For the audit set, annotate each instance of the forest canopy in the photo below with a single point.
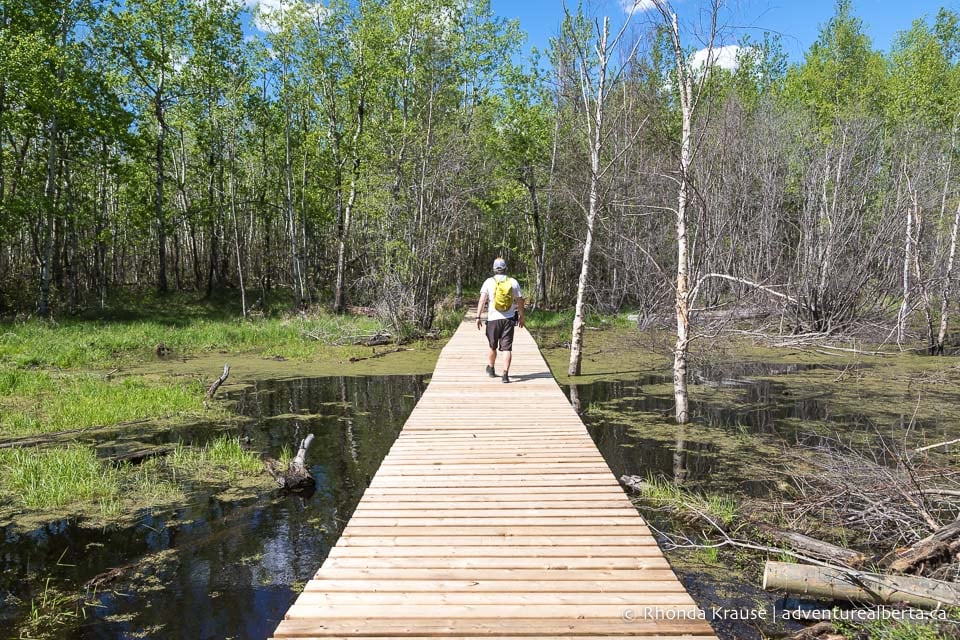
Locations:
(382, 152)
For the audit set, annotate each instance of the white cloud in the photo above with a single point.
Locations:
(724, 57)
(634, 6)
(180, 62)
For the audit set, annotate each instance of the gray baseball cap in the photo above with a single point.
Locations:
(499, 265)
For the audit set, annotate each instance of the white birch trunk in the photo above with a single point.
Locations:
(907, 255)
(681, 348)
(947, 282)
(596, 140)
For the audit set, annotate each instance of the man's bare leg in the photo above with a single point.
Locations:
(492, 358)
(507, 357)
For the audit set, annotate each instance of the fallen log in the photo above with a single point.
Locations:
(939, 546)
(136, 455)
(378, 354)
(914, 559)
(69, 434)
(815, 548)
(296, 477)
(838, 584)
(377, 340)
(945, 533)
(219, 381)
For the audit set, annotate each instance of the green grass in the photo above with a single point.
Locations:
(50, 611)
(148, 482)
(720, 508)
(71, 479)
(58, 477)
(36, 402)
(286, 456)
(225, 454)
(542, 320)
(77, 344)
(131, 328)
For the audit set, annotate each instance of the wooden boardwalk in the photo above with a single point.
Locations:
(494, 516)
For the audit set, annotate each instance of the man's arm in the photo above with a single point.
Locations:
(480, 305)
(520, 312)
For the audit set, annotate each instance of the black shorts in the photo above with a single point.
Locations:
(500, 332)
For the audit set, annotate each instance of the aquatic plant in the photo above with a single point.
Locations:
(37, 402)
(225, 454)
(56, 477)
(663, 494)
(50, 612)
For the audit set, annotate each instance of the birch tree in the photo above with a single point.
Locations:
(592, 62)
(689, 88)
(149, 39)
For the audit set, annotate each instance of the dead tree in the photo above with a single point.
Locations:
(296, 477)
(596, 77)
(219, 381)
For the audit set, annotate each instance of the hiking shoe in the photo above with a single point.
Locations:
(491, 372)
(506, 378)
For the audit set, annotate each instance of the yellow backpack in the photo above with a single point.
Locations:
(503, 294)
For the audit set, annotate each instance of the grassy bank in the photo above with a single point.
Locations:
(71, 480)
(120, 365)
(112, 340)
(142, 365)
(36, 402)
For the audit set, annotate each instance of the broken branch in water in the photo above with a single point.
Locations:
(296, 477)
(945, 443)
(219, 381)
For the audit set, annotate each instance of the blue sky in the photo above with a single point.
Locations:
(797, 22)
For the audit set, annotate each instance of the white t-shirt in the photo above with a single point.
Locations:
(490, 287)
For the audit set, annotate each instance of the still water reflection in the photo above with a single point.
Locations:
(217, 567)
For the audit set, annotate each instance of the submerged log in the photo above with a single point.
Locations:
(219, 381)
(837, 584)
(106, 577)
(137, 454)
(378, 354)
(296, 477)
(816, 548)
(636, 483)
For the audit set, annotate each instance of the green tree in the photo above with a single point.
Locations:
(841, 73)
(149, 40)
(923, 83)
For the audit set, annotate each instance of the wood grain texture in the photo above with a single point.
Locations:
(494, 516)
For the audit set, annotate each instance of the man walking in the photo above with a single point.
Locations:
(505, 310)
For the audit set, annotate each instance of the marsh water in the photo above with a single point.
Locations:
(743, 415)
(221, 566)
(227, 565)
